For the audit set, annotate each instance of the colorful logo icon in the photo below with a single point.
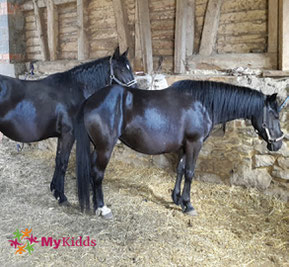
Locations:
(23, 241)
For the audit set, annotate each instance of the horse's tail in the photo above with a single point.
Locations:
(82, 160)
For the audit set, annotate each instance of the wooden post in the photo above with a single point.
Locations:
(210, 28)
(52, 29)
(122, 28)
(43, 45)
(284, 35)
(273, 26)
(138, 63)
(190, 35)
(180, 36)
(145, 34)
(83, 48)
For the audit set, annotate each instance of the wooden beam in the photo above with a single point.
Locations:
(272, 26)
(229, 61)
(43, 45)
(42, 3)
(275, 73)
(190, 34)
(145, 34)
(52, 29)
(180, 36)
(283, 35)
(124, 38)
(210, 28)
(138, 63)
(82, 40)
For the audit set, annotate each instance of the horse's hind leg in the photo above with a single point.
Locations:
(99, 161)
(192, 152)
(64, 147)
(176, 194)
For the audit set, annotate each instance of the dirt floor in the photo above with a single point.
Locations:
(235, 226)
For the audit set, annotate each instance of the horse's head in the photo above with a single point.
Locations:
(120, 69)
(267, 124)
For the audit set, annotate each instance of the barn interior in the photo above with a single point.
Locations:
(241, 189)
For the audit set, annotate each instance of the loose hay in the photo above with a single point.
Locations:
(235, 226)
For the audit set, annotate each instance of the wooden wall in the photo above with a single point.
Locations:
(242, 28)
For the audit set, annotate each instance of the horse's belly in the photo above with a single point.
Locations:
(150, 143)
(24, 130)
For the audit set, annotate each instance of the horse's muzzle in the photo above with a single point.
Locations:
(274, 146)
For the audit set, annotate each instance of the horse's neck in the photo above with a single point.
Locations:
(93, 78)
(232, 109)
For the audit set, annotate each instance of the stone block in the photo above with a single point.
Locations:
(283, 162)
(263, 161)
(259, 178)
(280, 173)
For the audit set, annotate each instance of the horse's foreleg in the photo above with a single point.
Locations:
(64, 147)
(176, 194)
(192, 152)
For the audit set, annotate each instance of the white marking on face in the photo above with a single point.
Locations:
(127, 66)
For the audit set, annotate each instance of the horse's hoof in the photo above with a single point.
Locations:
(192, 212)
(176, 198)
(64, 203)
(104, 212)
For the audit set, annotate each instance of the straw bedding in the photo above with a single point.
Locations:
(235, 226)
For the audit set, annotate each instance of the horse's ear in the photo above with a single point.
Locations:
(125, 53)
(116, 53)
(271, 98)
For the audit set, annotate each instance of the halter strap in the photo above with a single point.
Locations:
(113, 78)
(264, 126)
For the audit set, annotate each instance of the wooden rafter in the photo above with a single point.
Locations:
(43, 45)
(52, 29)
(190, 34)
(124, 38)
(180, 36)
(83, 46)
(272, 26)
(42, 3)
(210, 28)
(283, 35)
(144, 35)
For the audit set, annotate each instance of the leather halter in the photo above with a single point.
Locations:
(264, 126)
(113, 78)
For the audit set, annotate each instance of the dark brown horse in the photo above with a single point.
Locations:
(35, 110)
(177, 119)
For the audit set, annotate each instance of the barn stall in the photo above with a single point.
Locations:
(241, 192)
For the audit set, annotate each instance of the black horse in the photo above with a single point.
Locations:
(35, 110)
(179, 118)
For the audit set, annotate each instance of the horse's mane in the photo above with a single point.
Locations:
(94, 73)
(224, 101)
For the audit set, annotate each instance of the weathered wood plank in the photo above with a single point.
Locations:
(52, 29)
(180, 36)
(190, 32)
(275, 73)
(145, 34)
(283, 35)
(123, 33)
(210, 29)
(138, 63)
(40, 34)
(229, 61)
(83, 46)
(42, 3)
